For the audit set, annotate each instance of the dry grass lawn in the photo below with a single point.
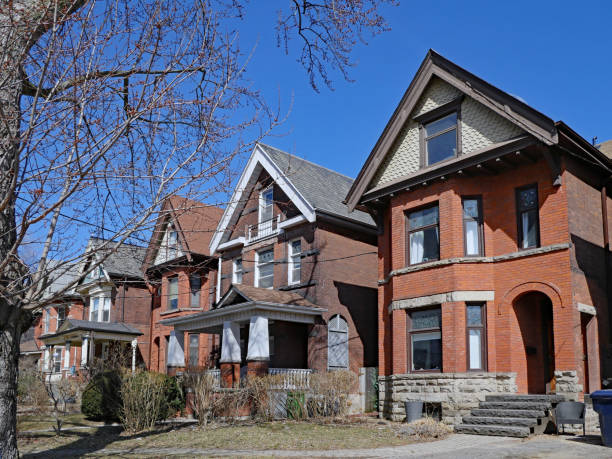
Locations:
(288, 435)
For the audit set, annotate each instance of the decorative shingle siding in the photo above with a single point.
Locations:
(480, 128)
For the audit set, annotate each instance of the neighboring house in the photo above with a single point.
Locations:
(178, 269)
(494, 271)
(30, 352)
(110, 305)
(296, 287)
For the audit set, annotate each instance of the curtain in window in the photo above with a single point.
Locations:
(106, 310)
(471, 238)
(337, 343)
(475, 342)
(416, 247)
(528, 222)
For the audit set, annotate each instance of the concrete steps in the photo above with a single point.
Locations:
(510, 415)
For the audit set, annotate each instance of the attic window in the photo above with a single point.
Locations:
(440, 132)
(441, 139)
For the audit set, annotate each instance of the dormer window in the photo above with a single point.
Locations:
(440, 132)
(441, 139)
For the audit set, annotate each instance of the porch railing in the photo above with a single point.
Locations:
(216, 375)
(292, 378)
(262, 229)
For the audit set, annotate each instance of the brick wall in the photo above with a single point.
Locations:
(548, 273)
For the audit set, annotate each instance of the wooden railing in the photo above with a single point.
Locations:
(292, 378)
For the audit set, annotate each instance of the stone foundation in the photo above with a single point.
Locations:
(566, 383)
(457, 393)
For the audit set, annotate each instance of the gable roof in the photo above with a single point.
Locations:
(310, 187)
(509, 107)
(122, 261)
(239, 293)
(195, 222)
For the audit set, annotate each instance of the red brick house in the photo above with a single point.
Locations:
(178, 270)
(110, 305)
(296, 283)
(493, 247)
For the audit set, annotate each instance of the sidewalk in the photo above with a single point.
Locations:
(456, 446)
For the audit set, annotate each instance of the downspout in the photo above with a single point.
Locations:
(123, 301)
(606, 238)
(218, 293)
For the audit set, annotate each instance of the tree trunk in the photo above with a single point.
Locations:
(13, 318)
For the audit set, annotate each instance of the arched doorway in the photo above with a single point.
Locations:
(535, 319)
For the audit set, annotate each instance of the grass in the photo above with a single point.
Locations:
(288, 435)
(47, 421)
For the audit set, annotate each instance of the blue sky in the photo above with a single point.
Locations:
(557, 56)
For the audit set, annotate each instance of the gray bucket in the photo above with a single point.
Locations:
(414, 410)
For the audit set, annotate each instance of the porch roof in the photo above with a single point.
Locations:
(241, 303)
(73, 330)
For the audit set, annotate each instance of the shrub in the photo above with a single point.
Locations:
(31, 390)
(204, 389)
(330, 393)
(144, 400)
(426, 428)
(101, 399)
(174, 400)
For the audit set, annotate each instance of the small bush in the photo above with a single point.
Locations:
(31, 390)
(204, 389)
(174, 400)
(101, 399)
(330, 393)
(144, 400)
(426, 428)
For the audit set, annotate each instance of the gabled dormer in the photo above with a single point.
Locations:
(170, 246)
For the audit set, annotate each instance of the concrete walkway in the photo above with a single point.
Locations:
(455, 446)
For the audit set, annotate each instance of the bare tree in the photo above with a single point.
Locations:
(108, 108)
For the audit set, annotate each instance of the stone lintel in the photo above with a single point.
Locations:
(439, 298)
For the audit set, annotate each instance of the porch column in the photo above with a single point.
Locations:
(134, 345)
(67, 355)
(230, 354)
(258, 354)
(45, 362)
(84, 351)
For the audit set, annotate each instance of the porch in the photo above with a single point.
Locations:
(262, 332)
(77, 342)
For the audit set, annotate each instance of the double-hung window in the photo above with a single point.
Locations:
(266, 211)
(528, 217)
(425, 340)
(195, 285)
(264, 269)
(57, 359)
(47, 319)
(172, 292)
(476, 336)
(295, 261)
(423, 235)
(472, 226)
(440, 139)
(237, 271)
(99, 309)
(61, 315)
(194, 349)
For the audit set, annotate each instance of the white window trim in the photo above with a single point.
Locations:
(262, 201)
(235, 270)
(290, 264)
(102, 296)
(47, 321)
(257, 266)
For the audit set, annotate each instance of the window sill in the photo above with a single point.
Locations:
(297, 285)
(174, 311)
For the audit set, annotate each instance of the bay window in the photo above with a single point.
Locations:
(425, 340)
(99, 309)
(476, 336)
(528, 217)
(264, 268)
(472, 226)
(423, 235)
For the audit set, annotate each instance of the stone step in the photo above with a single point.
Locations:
(502, 413)
(502, 431)
(526, 405)
(524, 398)
(492, 421)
